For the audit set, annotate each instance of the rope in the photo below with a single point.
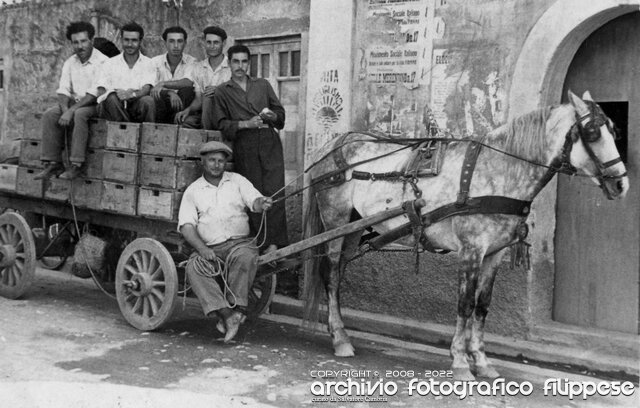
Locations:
(75, 222)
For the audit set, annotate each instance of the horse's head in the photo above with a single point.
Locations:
(594, 150)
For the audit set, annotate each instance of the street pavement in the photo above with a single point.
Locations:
(65, 344)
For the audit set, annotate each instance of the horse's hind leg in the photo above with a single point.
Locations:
(467, 281)
(475, 339)
(339, 252)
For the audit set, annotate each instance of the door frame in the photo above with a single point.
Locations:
(537, 81)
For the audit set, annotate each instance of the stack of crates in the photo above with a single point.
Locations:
(131, 168)
(29, 160)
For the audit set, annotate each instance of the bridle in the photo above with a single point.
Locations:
(587, 129)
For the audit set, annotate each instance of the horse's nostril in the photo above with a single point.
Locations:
(620, 185)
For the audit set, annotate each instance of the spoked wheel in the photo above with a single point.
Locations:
(146, 284)
(17, 256)
(261, 294)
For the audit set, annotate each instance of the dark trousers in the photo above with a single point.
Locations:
(257, 155)
(166, 114)
(53, 134)
(140, 110)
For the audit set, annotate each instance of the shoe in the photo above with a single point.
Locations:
(220, 326)
(72, 172)
(51, 169)
(233, 324)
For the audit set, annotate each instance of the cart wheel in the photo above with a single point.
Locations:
(146, 284)
(17, 256)
(261, 294)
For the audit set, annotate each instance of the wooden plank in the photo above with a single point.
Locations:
(25, 183)
(158, 203)
(333, 234)
(123, 136)
(120, 166)
(30, 152)
(120, 198)
(8, 176)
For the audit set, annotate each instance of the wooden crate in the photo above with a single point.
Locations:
(97, 133)
(120, 166)
(30, 152)
(158, 139)
(87, 193)
(94, 161)
(187, 171)
(32, 126)
(216, 135)
(159, 203)
(8, 176)
(189, 142)
(118, 197)
(123, 136)
(159, 171)
(57, 189)
(26, 185)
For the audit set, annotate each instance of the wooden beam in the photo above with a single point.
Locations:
(335, 233)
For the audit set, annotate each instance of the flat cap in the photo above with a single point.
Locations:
(213, 146)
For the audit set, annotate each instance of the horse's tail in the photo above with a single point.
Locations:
(313, 282)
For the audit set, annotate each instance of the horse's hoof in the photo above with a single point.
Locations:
(462, 374)
(486, 372)
(344, 350)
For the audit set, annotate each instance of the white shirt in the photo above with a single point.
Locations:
(77, 78)
(202, 75)
(218, 213)
(163, 70)
(116, 74)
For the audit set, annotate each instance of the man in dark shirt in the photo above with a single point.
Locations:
(247, 111)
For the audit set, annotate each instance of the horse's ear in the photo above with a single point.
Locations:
(578, 104)
(586, 96)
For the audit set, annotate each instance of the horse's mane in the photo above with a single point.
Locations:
(526, 135)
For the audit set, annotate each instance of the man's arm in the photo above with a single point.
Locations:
(67, 115)
(195, 106)
(276, 107)
(190, 234)
(225, 124)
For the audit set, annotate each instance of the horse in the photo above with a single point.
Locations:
(513, 163)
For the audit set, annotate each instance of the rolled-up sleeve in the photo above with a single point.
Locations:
(64, 87)
(188, 213)
(248, 192)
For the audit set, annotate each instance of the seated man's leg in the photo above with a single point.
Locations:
(112, 109)
(52, 144)
(206, 289)
(207, 113)
(52, 135)
(80, 134)
(144, 109)
(242, 264)
(164, 113)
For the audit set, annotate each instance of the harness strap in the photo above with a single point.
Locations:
(474, 205)
(466, 173)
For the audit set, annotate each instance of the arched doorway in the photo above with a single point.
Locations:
(597, 241)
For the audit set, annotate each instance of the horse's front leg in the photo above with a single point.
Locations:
(475, 344)
(338, 257)
(467, 281)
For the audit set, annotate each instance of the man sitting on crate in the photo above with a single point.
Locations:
(173, 92)
(125, 81)
(75, 106)
(214, 221)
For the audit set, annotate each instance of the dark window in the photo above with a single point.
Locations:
(618, 112)
(265, 60)
(253, 69)
(295, 63)
(1, 79)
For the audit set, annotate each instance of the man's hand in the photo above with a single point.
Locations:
(268, 114)
(263, 203)
(207, 253)
(253, 123)
(174, 100)
(155, 92)
(66, 118)
(125, 94)
(182, 116)
(209, 91)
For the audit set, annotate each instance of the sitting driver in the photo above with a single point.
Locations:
(214, 221)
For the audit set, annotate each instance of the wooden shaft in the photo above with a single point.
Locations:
(336, 233)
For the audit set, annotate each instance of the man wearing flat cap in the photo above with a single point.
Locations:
(214, 221)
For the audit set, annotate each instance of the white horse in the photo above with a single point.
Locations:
(514, 161)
